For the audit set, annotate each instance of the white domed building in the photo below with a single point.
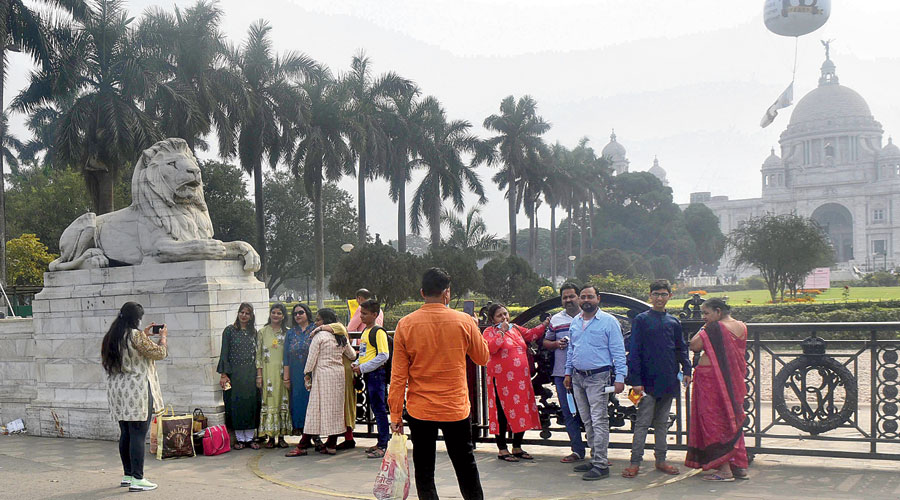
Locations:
(616, 154)
(834, 169)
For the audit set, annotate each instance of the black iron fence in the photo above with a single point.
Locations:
(815, 389)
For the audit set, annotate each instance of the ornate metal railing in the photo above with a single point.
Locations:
(816, 389)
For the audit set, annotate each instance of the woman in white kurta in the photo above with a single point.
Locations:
(132, 387)
(324, 375)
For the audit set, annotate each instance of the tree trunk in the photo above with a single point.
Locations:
(434, 223)
(531, 256)
(401, 218)
(591, 226)
(319, 251)
(2, 177)
(553, 255)
(260, 217)
(511, 195)
(102, 190)
(361, 200)
(583, 230)
(534, 245)
(569, 241)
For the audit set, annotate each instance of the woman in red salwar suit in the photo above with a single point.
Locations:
(716, 434)
(511, 401)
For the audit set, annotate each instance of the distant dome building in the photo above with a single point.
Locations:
(834, 169)
(659, 172)
(616, 154)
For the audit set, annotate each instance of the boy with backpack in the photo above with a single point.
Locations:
(374, 365)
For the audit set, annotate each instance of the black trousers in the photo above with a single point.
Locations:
(503, 425)
(458, 438)
(132, 435)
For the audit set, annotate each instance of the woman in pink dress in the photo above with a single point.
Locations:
(511, 403)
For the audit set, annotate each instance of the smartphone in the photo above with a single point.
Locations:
(469, 307)
(157, 328)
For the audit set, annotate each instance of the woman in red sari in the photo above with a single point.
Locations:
(716, 437)
(511, 402)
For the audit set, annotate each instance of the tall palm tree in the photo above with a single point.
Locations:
(196, 89)
(98, 65)
(8, 144)
(21, 29)
(370, 103)
(406, 135)
(446, 174)
(470, 233)
(554, 191)
(322, 152)
(517, 143)
(270, 109)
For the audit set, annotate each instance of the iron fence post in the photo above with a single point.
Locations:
(873, 399)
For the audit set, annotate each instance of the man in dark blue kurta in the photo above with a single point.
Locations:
(657, 350)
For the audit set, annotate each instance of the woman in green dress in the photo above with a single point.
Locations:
(237, 364)
(275, 414)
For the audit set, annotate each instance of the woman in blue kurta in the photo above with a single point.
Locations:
(296, 351)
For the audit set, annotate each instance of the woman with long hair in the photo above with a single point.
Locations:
(237, 364)
(296, 351)
(511, 401)
(716, 435)
(274, 415)
(129, 356)
(324, 376)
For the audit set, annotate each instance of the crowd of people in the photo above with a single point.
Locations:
(300, 379)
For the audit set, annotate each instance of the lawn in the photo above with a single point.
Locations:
(759, 297)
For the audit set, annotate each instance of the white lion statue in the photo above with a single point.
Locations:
(167, 221)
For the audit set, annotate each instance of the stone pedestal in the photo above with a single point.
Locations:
(196, 300)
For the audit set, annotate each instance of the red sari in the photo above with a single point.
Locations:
(716, 434)
(509, 372)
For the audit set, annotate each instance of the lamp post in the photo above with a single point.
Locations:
(347, 247)
(571, 265)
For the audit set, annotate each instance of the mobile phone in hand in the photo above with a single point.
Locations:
(156, 328)
(469, 307)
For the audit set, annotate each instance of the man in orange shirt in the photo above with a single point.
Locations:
(430, 349)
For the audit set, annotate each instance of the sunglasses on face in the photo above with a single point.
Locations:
(299, 312)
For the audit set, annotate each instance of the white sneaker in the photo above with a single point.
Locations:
(141, 485)
(126, 481)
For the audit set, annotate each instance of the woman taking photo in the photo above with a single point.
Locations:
(274, 415)
(324, 376)
(237, 364)
(129, 359)
(296, 351)
(511, 403)
(716, 436)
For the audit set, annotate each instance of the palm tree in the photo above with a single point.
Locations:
(446, 174)
(406, 135)
(269, 110)
(22, 30)
(470, 233)
(369, 104)
(8, 143)
(322, 152)
(517, 143)
(196, 87)
(554, 191)
(97, 64)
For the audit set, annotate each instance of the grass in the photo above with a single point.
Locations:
(857, 294)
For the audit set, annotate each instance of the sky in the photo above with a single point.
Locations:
(686, 82)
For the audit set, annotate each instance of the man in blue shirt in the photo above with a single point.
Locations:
(557, 340)
(596, 347)
(657, 350)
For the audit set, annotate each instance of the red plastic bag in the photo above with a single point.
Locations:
(392, 481)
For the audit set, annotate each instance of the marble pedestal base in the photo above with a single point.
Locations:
(196, 300)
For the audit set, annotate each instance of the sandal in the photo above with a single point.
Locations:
(524, 455)
(270, 443)
(328, 451)
(507, 458)
(282, 443)
(239, 446)
(296, 452)
(739, 473)
(668, 469)
(571, 458)
(346, 445)
(631, 472)
(716, 477)
(254, 445)
(376, 453)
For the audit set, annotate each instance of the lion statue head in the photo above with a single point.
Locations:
(167, 189)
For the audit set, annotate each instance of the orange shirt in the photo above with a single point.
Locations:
(430, 348)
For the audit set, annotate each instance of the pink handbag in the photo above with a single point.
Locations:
(216, 440)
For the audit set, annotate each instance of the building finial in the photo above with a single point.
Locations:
(829, 73)
(612, 136)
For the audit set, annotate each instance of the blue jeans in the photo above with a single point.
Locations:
(377, 393)
(573, 426)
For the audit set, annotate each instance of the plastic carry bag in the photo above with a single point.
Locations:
(392, 481)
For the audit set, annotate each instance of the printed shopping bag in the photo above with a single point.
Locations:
(154, 427)
(216, 440)
(392, 481)
(174, 436)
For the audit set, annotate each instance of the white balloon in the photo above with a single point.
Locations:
(795, 17)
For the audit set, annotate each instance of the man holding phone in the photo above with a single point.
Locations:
(557, 340)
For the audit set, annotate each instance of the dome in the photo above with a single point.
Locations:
(773, 161)
(614, 150)
(890, 149)
(828, 102)
(657, 170)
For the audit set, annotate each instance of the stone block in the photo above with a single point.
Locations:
(123, 274)
(155, 286)
(64, 278)
(89, 373)
(61, 373)
(168, 299)
(230, 296)
(141, 299)
(202, 298)
(40, 306)
(65, 305)
(98, 303)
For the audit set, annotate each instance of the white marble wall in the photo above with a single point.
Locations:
(195, 299)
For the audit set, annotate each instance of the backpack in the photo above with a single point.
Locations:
(373, 337)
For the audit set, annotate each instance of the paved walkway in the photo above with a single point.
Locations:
(33, 467)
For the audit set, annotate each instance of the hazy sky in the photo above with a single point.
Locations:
(685, 81)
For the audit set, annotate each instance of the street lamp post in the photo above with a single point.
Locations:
(571, 265)
(347, 247)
